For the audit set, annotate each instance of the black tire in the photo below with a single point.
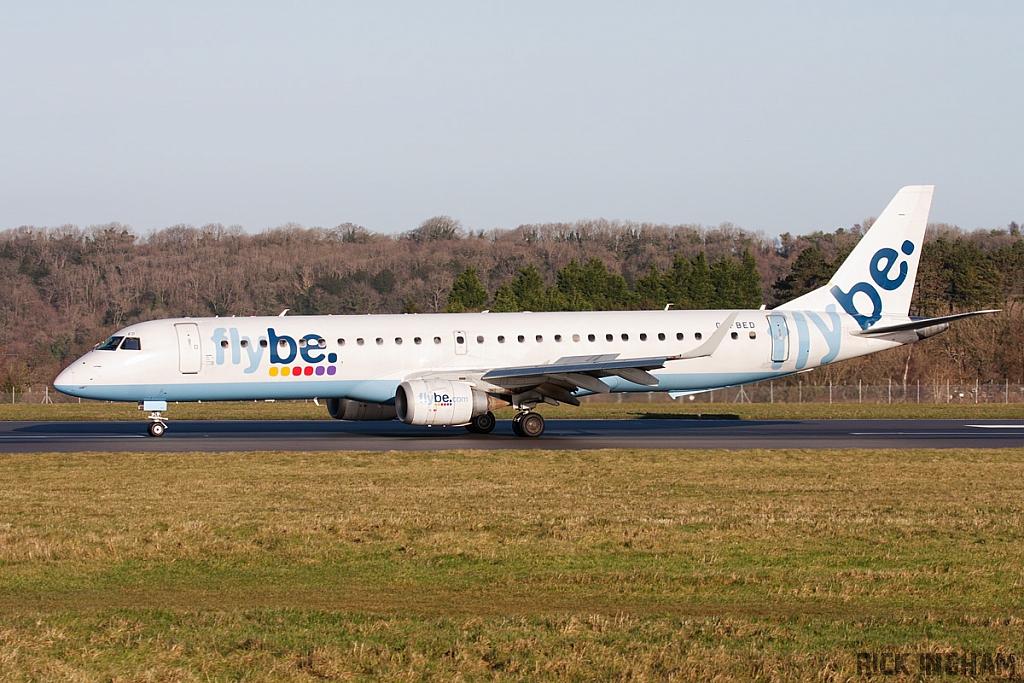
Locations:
(517, 423)
(156, 428)
(532, 425)
(482, 424)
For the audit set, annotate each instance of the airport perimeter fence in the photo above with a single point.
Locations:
(938, 391)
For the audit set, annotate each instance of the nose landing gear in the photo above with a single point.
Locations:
(157, 426)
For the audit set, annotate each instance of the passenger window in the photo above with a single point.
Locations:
(223, 343)
(521, 339)
(591, 337)
(341, 342)
(437, 340)
(558, 337)
(245, 343)
(360, 342)
(679, 336)
(735, 335)
(131, 344)
(753, 335)
(417, 340)
(460, 339)
(609, 337)
(661, 336)
(479, 339)
(398, 341)
(380, 341)
(501, 339)
(110, 345)
(625, 337)
(698, 336)
(322, 343)
(575, 337)
(264, 344)
(643, 336)
(540, 338)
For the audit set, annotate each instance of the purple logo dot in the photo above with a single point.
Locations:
(319, 370)
(331, 370)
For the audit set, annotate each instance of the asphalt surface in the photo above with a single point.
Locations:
(327, 435)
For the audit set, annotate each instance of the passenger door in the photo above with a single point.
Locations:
(780, 337)
(190, 356)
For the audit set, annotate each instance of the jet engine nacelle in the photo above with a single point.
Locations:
(347, 409)
(441, 402)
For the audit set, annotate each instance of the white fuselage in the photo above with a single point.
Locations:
(366, 357)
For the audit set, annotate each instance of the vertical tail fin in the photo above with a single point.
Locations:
(878, 276)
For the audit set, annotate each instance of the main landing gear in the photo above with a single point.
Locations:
(528, 424)
(157, 426)
(482, 424)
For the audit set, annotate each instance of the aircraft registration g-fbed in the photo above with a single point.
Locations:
(455, 369)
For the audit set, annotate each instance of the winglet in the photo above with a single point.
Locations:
(713, 342)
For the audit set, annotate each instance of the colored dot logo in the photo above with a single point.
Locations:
(301, 372)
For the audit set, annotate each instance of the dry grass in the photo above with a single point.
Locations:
(628, 565)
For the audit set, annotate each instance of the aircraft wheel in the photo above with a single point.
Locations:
(531, 425)
(482, 424)
(156, 428)
(517, 424)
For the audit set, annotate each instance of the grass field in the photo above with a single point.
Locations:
(610, 565)
(307, 410)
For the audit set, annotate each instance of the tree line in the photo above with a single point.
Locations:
(67, 288)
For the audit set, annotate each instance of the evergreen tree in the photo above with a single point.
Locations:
(701, 285)
(649, 290)
(467, 293)
(570, 284)
(810, 270)
(505, 300)
(724, 277)
(676, 283)
(532, 294)
(749, 282)
(606, 291)
(592, 288)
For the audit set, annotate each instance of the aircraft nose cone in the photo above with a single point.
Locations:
(65, 381)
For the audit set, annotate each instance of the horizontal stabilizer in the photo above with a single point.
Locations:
(920, 323)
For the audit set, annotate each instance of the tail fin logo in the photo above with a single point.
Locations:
(881, 266)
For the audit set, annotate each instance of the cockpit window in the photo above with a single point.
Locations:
(131, 344)
(110, 344)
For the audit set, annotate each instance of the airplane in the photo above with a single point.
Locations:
(456, 369)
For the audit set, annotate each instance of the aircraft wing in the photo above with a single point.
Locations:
(558, 380)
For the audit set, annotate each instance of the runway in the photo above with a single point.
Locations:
(327, 435)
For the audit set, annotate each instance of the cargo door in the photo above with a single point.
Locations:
(190, 357)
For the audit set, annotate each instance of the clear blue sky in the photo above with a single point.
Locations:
(775, 116)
